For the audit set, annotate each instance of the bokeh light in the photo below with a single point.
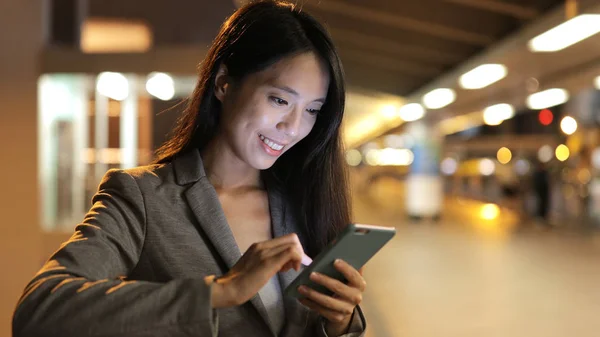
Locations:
(584, 176)
(113, 85)
(504, 155)
(546, 117)
(487, 167)
(372, 157)
(353, 157)
(449, 166)
(489, 211)
(545, 153)
(596, 157)
(522, 167)
(562, 152)
(161, 86)
(568, 125)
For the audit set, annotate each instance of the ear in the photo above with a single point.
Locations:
(221, 83)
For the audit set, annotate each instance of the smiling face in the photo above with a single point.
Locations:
(270, 111)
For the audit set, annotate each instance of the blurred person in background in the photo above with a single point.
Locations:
(251, 184)
(541, 188)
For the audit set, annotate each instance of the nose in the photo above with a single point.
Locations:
(290, 123)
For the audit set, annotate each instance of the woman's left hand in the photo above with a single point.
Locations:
(337, 309)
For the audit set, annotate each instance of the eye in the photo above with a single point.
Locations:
(313, 111)
(278, 101)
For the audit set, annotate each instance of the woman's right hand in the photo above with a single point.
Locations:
(255, 268)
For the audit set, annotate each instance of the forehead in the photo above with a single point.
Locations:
(305, 73)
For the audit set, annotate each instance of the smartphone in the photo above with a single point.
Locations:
(356, 245)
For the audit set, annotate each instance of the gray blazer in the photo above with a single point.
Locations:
(136, 264)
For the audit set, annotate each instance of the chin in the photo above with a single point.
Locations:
(265, 165)
(261, 164)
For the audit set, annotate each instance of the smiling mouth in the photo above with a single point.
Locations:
(271, 144)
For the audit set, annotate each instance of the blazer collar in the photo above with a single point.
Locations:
(206, 207)
(188, 168)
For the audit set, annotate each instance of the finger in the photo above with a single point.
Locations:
(330, 315)
(306, 260)
(286, 257)
(344, 292)
(353, 276)
(361, 271)
(270, 252)
(326, 301)
(281, 240)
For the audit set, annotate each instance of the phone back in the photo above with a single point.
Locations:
(356, 245)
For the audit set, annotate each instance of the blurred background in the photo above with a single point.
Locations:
(472, 126)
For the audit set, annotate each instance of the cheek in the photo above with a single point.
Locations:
(259, 115)
(307, 126)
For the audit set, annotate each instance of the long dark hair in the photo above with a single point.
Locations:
(312, 173)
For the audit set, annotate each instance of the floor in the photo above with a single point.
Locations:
(473, 274)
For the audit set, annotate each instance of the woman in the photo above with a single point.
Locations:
(254, 167)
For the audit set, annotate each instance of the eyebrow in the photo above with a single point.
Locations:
(294, 92)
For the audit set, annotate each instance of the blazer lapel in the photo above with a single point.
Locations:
(204, 202)
(283, 222)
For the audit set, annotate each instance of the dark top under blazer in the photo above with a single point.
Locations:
(135, 265)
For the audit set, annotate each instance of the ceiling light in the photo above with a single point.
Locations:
(113, 85)
(411, 112)
(496, 114)
(439, 98)
(597, 82)
(547, 98)
(566, 34)
(99, 35)
(482, 76)
(389, 111)
(161, 86)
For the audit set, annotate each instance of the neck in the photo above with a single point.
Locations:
(225, 170)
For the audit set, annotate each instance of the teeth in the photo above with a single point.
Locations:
(271, 144)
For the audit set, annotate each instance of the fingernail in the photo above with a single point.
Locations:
(302, 289)
(338, 261)
(314, 274)
(306, 260)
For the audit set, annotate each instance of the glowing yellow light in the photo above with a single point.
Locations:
(562, 152)
(575, 142)
(504, 155)
(489, 211)
(353, 157)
